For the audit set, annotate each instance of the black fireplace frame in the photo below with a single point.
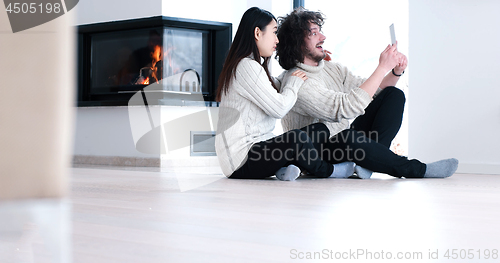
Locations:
(219, 41)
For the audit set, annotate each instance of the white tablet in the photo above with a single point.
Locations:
(393, 34)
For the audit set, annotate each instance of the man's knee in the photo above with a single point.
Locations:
(395, 94)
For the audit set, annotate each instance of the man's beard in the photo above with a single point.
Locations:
(313, 56)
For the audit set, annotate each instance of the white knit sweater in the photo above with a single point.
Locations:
(248, 112)
(331, 95)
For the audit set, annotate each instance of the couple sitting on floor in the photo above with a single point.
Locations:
(315, 100)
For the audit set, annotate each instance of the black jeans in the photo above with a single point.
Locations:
(297, 147)
(368, 140)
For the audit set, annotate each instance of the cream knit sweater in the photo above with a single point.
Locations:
(248, 112)
(331, 95)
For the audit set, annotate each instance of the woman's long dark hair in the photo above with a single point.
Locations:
(244, 45)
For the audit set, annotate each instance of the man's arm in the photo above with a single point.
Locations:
(318, 101)
(391, 79)
(389, 59)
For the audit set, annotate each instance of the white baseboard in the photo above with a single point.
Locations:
(474, 168)
(116, 161)
(163, 162)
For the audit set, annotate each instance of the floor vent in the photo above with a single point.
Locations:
(202, 143)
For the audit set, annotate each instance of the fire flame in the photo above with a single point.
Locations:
(155, 74)
(156, 56)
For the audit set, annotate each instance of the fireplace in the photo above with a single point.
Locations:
(177, 59)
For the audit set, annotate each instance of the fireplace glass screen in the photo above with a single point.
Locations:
(174, 58)
(185, 51)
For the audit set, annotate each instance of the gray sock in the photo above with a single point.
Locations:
(362, 173)
(441, 169)
(343, 170)
(288, 173)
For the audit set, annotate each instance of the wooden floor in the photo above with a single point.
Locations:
(197, 215)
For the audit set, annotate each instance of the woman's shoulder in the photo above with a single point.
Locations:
(249, 62)
(249, 66)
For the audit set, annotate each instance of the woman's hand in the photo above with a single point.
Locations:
(327, 55)
(301, 74)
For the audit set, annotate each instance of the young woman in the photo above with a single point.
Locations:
(251, 103)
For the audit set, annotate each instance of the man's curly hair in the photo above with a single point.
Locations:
(292, 30)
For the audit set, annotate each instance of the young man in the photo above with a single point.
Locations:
(333, 95)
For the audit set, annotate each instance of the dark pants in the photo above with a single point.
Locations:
(368, 140)
(297, 147)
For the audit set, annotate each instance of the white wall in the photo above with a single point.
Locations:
(454, 106)
(94, 11)
(228, 11)
(105, 131)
